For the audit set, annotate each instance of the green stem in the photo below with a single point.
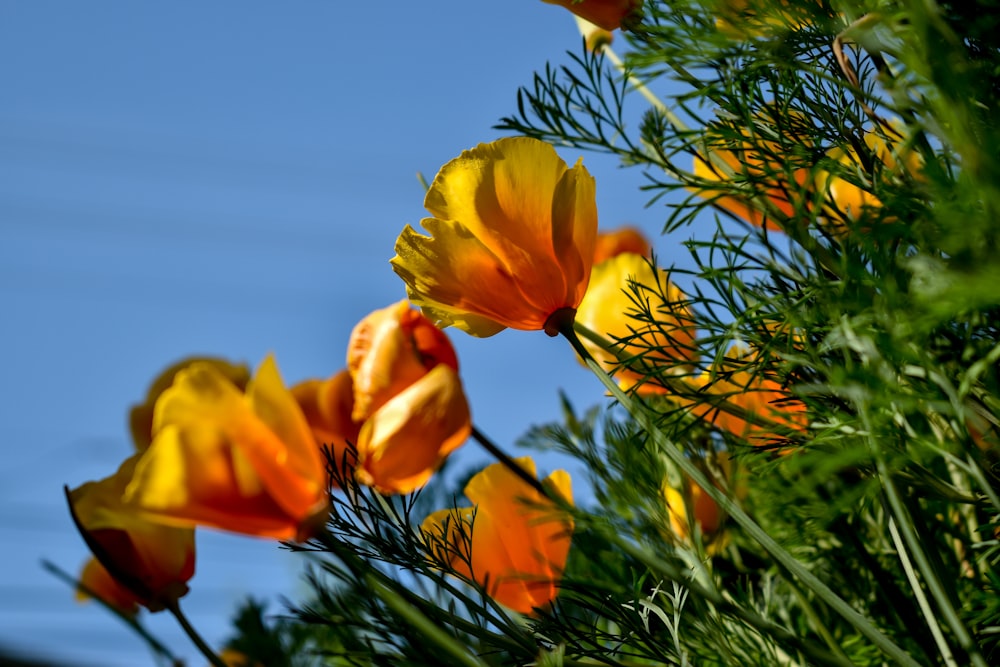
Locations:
(912, 542)
(175, 608)
(155, 644)
(642, 415)
(638, 84)
(680, 386)
(422, 624)
(922, 602)
(510, 463)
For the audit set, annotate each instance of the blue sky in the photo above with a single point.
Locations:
(229, 178)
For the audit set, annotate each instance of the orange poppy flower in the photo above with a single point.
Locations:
(512, 541)
(246, 462)
(409, 397)
(511, 239)
(148, 563)
(608, 303)
(327, 406)
(233, 658)
(758, 397)
(707, 515)
(607, 14)
(615, 242)
(99, 582)
(760, 166)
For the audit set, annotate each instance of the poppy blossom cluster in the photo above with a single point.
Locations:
(218, 448)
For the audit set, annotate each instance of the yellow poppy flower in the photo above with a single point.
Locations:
(141, 415)
(749, 19)
(513, 541)
(511, 239)
(707, 517)
(609, 301)
(233, 658)
(615, 242)
(243, 462)
(151, 561)
(607, 14)
(847, 201)
(408, 396)
(595, 37)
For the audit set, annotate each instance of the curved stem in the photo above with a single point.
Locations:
(206, 650)
(511, 464)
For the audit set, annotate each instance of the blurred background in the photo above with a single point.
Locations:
(229, 178)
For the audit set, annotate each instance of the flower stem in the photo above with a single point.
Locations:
(638, 84)
(422, 624)
(643, 417)
(175, 608)
(508, 462)
(155, 644)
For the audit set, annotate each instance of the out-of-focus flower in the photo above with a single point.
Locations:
(141, 415)
(233, 658)
(409, 397)
(708, 517)
(845, 200)
(757, 165)
(327, 406)
(606, 308)
(748, 19)
(511, 239)
(138, 561)
(595, 37)
(758, 397)
(246, 462)
(513, 541)
(97, 581)
(615, 242)
(607, 14)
